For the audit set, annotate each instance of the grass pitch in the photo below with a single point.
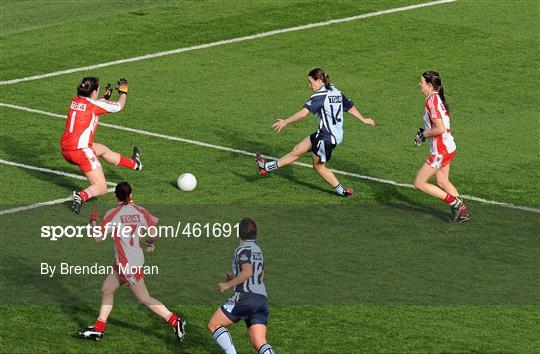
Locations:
(380, 272)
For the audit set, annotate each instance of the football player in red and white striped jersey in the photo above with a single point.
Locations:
(441, 145)
(77, 142)
(125, 225)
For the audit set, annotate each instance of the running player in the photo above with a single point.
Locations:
(248, 302)
(441, 145)
(127, 218)
(329, 104)
(78, 147)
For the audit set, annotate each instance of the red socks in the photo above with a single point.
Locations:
(86, 194)
(99, 325)
(172, 319)
(449, 198)
(127, 162)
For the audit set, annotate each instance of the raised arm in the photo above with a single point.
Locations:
(245, 272)
(281, 123)
(122, 89)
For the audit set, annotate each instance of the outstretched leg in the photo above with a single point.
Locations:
(117, 159)
(141, 293)
(329, 176)
(300, 149)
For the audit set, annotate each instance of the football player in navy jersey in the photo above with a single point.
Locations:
(329, 104)
(249, 302)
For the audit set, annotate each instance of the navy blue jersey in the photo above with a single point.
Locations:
(249, 252)
(329, 106)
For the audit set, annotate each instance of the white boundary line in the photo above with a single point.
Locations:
(46, 170)
(247, 153)
(227, 41)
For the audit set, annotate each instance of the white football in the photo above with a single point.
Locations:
(186, 182)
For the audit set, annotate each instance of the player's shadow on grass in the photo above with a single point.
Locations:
(287, 173)
(21, 274)
(29, 153)
(389, 195)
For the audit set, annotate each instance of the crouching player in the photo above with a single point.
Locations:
(78, 147)
(129, 262)
(248, 302)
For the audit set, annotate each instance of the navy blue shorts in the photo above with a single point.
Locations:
(249, 307)
(321, 147)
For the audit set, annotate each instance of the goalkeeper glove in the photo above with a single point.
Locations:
(108, 92)
(122, 86)
(419, 138)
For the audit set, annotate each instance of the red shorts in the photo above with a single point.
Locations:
(85, 158)
(440, 160)
(128, 277)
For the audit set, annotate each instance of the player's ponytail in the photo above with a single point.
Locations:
(319, 74)
(87, 86)
(433, 78)
(123, 192)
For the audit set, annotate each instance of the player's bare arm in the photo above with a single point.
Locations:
(122, 91)
(354, 111)
(245, 273)
(281, 123)
(437, 130)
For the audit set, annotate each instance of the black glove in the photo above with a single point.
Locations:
(122, 86)
(108, 92)
(419, 138)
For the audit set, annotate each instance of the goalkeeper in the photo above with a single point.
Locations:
(78, 147)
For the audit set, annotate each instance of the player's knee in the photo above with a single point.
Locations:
(106, 290)
(212, 327)
(418, 184)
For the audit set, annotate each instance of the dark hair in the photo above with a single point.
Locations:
(319, 74)
(433, 78)
(247, 229)
(87, 86)
(123, 191)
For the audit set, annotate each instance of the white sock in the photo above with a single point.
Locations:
(224, 339)
(266, 349)
(271, 166)
(339, 189)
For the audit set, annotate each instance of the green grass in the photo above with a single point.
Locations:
(381, 272)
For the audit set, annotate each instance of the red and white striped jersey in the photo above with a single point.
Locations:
(130, 222)
(444, 143)
(82, 121)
